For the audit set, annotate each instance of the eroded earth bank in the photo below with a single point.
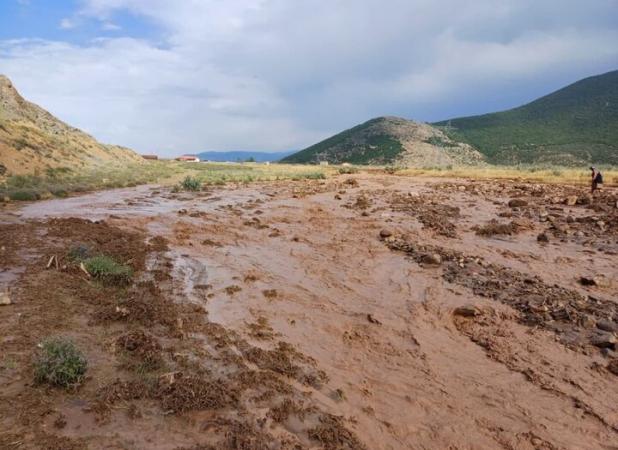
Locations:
(359, 312)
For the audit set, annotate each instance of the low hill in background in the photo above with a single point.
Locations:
(574, 125)
(34, 141)
(235, 156)
(389, 140)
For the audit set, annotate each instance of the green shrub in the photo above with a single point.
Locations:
(391, 169)
(60, 363)
(79, 252)
(24, 196)
(191, 184)
(347, 170)
(314, 176)
(108, 271)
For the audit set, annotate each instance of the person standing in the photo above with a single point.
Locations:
(597, 179)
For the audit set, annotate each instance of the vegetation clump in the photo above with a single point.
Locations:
(348, 170)
(60, 363)
(191, 184)
(107, 270)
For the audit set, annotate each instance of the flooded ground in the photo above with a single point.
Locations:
(364, 311)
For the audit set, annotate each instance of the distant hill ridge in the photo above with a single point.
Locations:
(577, 124)
(243, 155)
(389, 140)
(33, 140)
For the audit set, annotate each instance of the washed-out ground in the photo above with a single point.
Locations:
(359, 312)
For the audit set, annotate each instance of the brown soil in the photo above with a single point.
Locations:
(405, 315)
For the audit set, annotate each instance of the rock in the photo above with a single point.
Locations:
(542, 237)
(585, 199)
(517, 202)
(385, 233)
(5, 299)
(373, 320)
(570, 219)
(467, 311)
(337, 197)
(603, 339)
(571, 200)
(613, 366)
(431, 259)
(607, 325)
(587, 281)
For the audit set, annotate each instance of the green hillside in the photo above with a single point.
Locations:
(389, 140)
(574, 125)
(345, 146)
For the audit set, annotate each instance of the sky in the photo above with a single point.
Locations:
(184, 76)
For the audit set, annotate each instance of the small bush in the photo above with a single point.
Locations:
(191, 184)
(24, 196)
(348, 170)
(79, 252)
(60, 363)
(108, 271)
(391, 169)
(315, 176)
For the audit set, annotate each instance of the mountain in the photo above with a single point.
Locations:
(243, 156)
(32, 140)
(575, 125)
(389, 140)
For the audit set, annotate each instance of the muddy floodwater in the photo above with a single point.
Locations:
(358, 312)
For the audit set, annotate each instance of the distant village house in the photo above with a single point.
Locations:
(188, 158)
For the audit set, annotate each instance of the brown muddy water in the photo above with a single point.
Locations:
(363, 275)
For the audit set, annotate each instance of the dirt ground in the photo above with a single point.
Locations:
(366, 311)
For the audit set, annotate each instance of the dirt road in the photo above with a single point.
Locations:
(369, 311)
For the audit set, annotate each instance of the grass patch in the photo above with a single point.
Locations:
(191, 184)
(347, 170)
(61, 182)
(60, 363)
(24, 195)
(532, 173)
(108, 271)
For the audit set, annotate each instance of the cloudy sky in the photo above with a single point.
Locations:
(189, 75)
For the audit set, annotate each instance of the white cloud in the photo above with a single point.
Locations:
(110, 26)
(67, 24)
(275, 74)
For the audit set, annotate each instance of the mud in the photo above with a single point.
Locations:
(373, 311)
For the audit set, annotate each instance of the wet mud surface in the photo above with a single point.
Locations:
(359, 312)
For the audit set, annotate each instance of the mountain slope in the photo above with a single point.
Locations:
(574, 125)
(243, 156)
(389, 140)
(32, 140)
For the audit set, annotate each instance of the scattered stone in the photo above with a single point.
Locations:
(585, 199)
(337, 197)
(431, 259)
(467, 311)
(607, 325)
(542, 237)
(385, 233)
(587, 281)
(517, 203)
(5, 299)
(571, 200)
(613, 366)
(603, 339)
(373, 320)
